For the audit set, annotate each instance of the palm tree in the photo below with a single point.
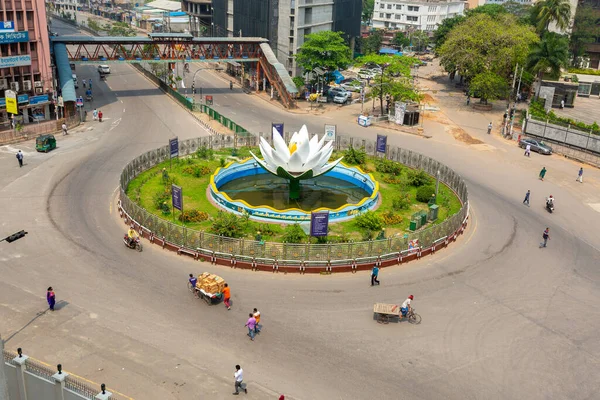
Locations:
(548, 56)
(557, 11)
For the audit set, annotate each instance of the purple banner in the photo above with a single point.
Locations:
(381, 143)
(319, 223)
(278, 128)
(174, 147)
(177, 197)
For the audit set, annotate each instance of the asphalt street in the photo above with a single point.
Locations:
(502, 319)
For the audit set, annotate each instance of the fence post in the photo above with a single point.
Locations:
(545, 126)
(59, 383)
(21, 368)
(104, 394)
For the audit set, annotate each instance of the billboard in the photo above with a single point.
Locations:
(177, 197)
(22, 98)
(13, 37)
(319, 223)
(330, 132)
(11, 102)
(381, 143)
(174, 147)
(7, 26)
(38, 99)
(278, 128)
(15, 61)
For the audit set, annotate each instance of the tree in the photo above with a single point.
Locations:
(324, 49)
(419, 40)
(482, 43)
(549, 55)
(521, 11)
(372, 43)
(367, 10)
(586, 28)
(443, 29)
(557, 11)
(488, 86)
(493, 10)
(401, 40)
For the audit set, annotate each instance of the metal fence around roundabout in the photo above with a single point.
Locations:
(287, 256)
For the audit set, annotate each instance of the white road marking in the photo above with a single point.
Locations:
(595, 206)
(123, 110)
(121, 101)
(115, 124)
(233, 112)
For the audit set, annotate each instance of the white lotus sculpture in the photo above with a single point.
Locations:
(301, 159)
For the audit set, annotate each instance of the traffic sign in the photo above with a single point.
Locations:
(80, 101)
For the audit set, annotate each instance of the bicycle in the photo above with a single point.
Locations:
(412, 317)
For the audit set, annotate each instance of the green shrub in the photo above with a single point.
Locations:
(388, 167)
(228, 224)
(537, 111)
(424, 193)
(268, 229)
(402, 202)
(355, 156)
(161, 197)
(391, 218)
(418, 178)
(369, 221)
(193, 216)
(294, 234)
(204, 153)
(222, 162)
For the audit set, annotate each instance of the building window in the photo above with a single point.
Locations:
(413, 19)
(23, 47)
(431, 18)
(393, 26)
(398, 7)
(398, 16)
(388, 16)
(32, 46)
(413, 8)
(387, 24)
(380, 15)
(432, 9)
(389, 6)
(382, 5)
(430, 27)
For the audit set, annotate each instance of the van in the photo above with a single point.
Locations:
(75, 81)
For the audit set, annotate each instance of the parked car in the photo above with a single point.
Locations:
(366, 74)
(104, 69)
(352, 86)
(75, 81)
(536, 145)
(342, 98)
(334, 91)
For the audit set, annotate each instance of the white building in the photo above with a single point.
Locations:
(415, 14)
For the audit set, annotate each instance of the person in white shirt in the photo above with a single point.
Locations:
(528, 151)
(239, 377)
(406, 305)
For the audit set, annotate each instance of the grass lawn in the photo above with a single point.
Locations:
(151, 190)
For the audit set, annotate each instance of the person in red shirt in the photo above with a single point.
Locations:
(100, 116)
(227, 296)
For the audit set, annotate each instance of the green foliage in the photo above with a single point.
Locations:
(119, 29)
(443, 29)
(401, 40)
(161, 197)
(294, 234)
(355, 156)
(418, 178)
(549, 55)
(367, 10)
(419, 40)
(424, 193)
(537, 111)
(369, 221)
(268, 229)
(324, 49)
(489, 86)
(402, 202)
(557, 11)
(372, 43)
(94, 25)
(386, 166)
(299, 82)
(485, 44)
(398, 90)
(204, 153)
(493, 10)
(396, 65)
(197, 170)
(585, 71)
(391, 218)
(586, 28)
(228, 224)
(193, 216)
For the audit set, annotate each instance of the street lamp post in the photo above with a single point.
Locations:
(383, 67)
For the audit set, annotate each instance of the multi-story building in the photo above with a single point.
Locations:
(65, 6)
(25, 59)
(421, 15)
(201, 16)
(285, 23)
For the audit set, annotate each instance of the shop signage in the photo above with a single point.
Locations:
(38, 99)
(7, 26)
(22, 98)
(15, 61)
(13, 37)
(11, 102)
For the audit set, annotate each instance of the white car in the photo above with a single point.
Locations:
(366, 74)
(342, 97)
(104, 69)
(353, 86)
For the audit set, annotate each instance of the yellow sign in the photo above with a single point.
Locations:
(11, 102)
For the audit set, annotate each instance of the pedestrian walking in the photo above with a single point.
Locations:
(64, 129)
(20, 158)
(227, 296)
(468, 99)
(580, 175)
(562, 104)
(84, 83)
(526, 201)
(239, 380)
(374, 275)
(90, 82)
(100, 116)
(258, 326)
(230, 85)
(95, 114)
(543, 173)
(251, 324)
(490, 128)
(545, 236)
(51, 298)
(528, 151)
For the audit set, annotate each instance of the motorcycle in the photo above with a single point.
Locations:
(550, 207)
(134, 244)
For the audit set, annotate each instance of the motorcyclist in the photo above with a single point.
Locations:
(550, 202)
(132, 235)
(406, 306)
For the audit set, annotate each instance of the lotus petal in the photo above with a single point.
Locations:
(280, 146)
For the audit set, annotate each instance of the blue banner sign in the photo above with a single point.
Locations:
(38, 99)
(381, 143)
(14, 37)
(7, 26)
(22, 98)
(174, 147)
(177, 197)
(319, 223)
(15, 61)
(278, 128)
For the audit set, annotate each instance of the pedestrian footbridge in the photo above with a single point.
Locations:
(172, 48)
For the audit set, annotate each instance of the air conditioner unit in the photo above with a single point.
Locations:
(3, 83)
(38, 84)
(39, 90)
(26, 86)
(14, 86)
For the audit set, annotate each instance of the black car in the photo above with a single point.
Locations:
(536, 145)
